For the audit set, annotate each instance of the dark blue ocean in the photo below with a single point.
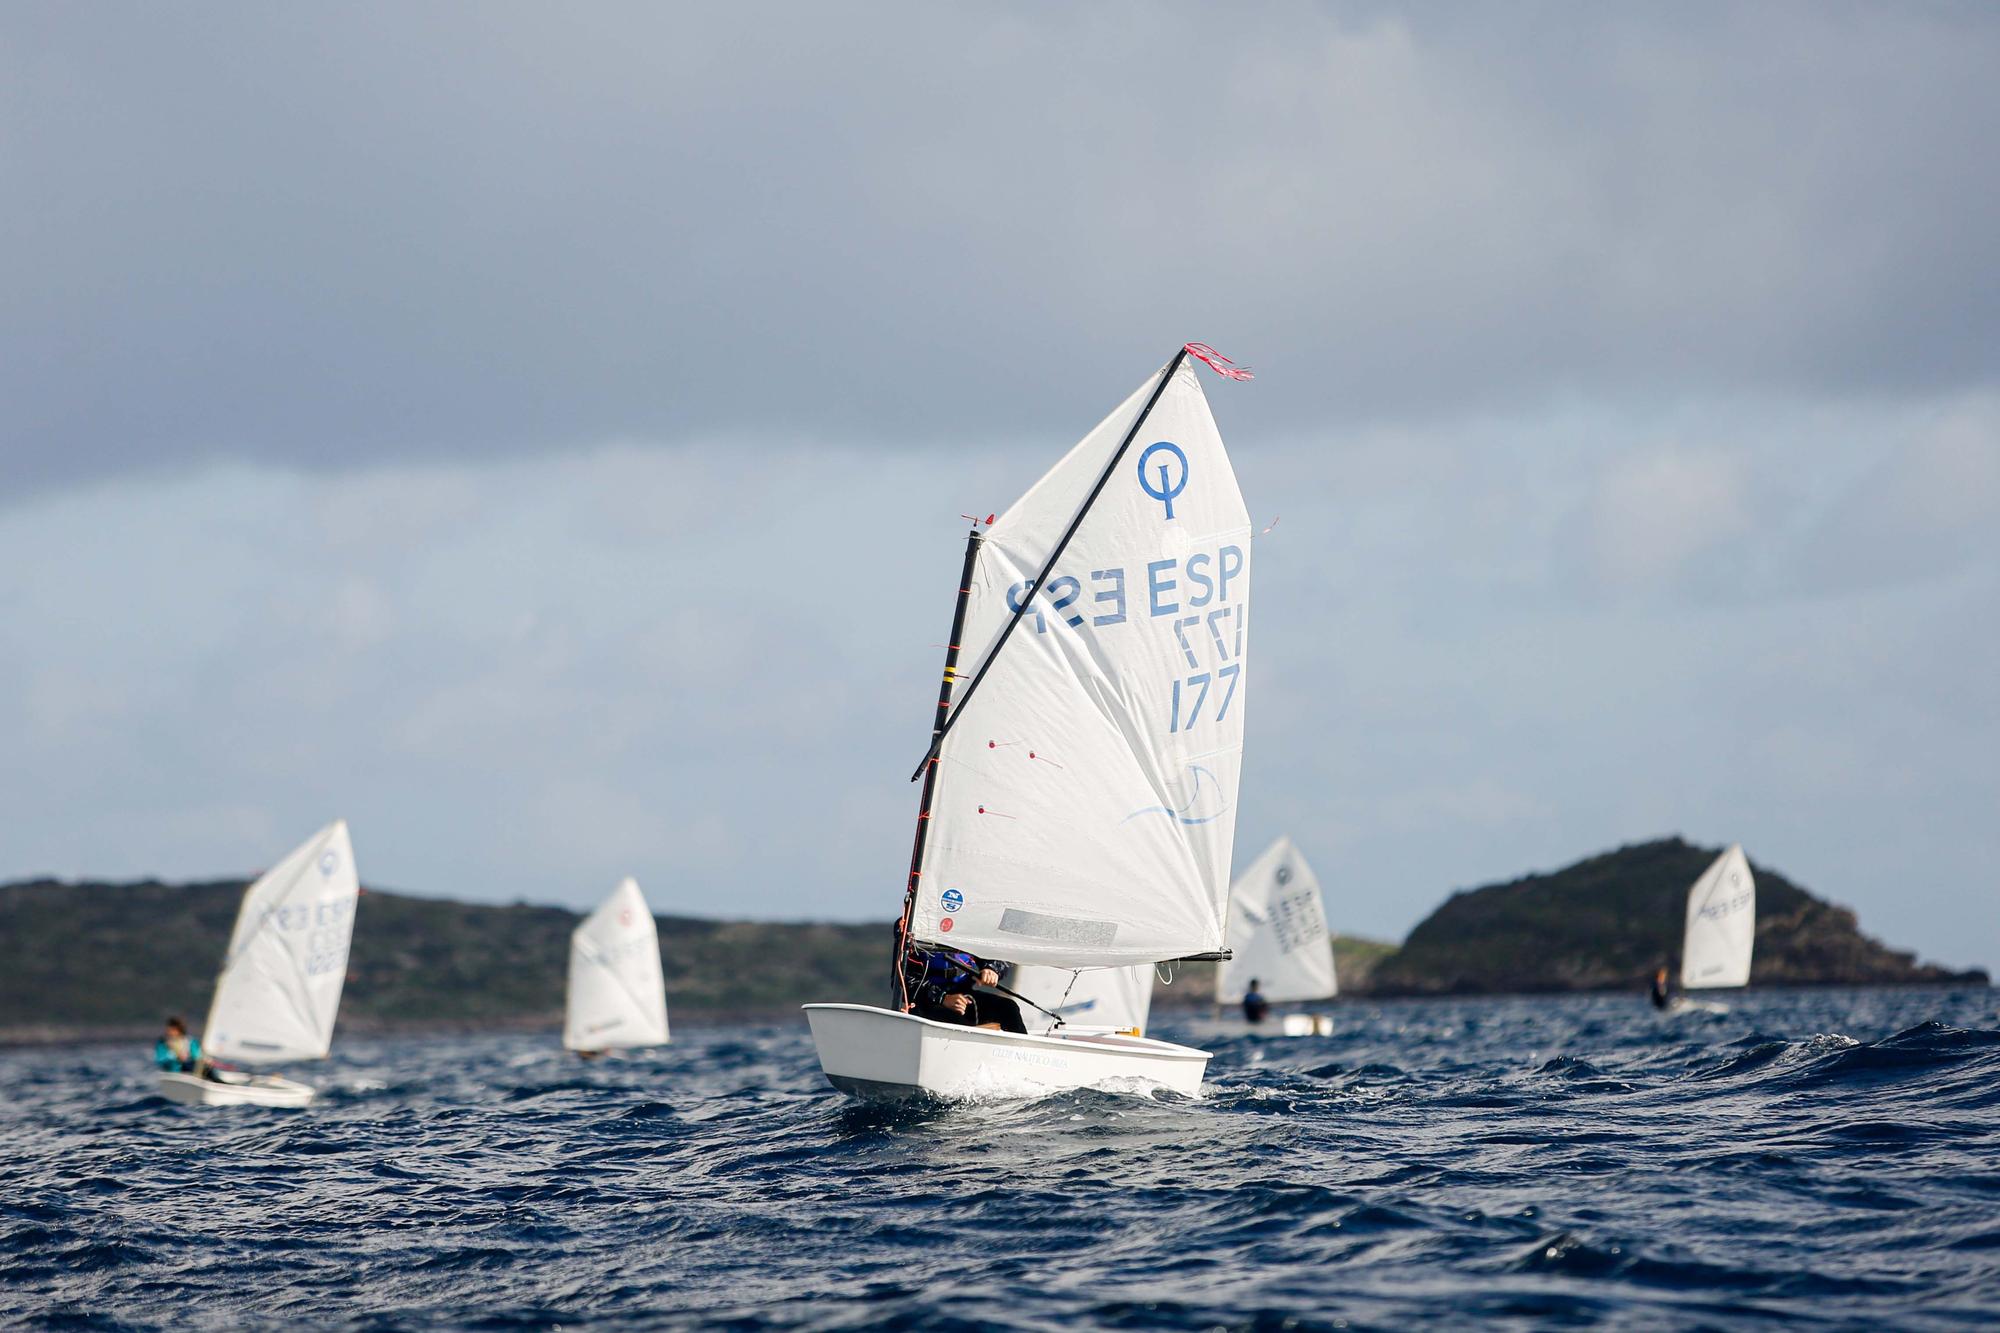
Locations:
(1821, 1158)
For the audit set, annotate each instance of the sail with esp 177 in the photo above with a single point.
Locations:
(1080, 792)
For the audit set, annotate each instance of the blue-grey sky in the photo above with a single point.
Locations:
(538, 434)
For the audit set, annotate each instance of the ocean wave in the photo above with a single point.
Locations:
(1825, 1157)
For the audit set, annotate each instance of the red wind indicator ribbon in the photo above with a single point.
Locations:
(1218, 363)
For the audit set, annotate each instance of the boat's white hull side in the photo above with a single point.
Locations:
(230, 1088)
(880, 1054)
(1306, 1025)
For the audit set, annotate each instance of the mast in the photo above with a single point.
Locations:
(946, 717)
(930, 767)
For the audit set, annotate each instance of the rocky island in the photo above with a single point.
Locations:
(1606, 922)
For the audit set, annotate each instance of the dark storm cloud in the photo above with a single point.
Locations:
(327, 236)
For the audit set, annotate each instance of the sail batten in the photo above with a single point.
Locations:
(279, 990)
(617, 993)
(1721, 925)
(1084, 812)
(1278, 931)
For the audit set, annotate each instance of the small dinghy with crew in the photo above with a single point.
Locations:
(1720, 935)
(279, 990)
(1079, 795)
(617, 993)
(1278, 940)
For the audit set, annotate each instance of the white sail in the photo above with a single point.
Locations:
(617, 995)
(280, 983)
(1277, 931)
(1116, 997)
(1085, 811)
(1721, 925)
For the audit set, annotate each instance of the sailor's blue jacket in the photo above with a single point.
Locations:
(932, 974)
(164, 1057)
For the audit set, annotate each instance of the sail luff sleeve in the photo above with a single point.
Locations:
(930, 770)
(1048, 565)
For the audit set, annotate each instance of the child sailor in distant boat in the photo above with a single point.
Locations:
(617, 988)
(1720, 936)
(942, 984)
(176, 1051)
(1277, 933)
(279, 988)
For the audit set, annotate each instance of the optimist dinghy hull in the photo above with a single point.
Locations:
(881, 1055)
(1306, 1025)
(228, 1087)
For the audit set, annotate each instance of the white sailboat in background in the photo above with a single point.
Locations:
(281, 980)
(1079, 802)
(1721, 930)
(617, 993)
(1279, 939)
(1116, 999)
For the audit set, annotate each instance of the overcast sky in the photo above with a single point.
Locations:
(538, 433)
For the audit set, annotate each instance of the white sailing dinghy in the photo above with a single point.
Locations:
(1721, 931)
(1278, 938)
(617, 994)
(1079, 797)
(1111, 999)
(280, 985)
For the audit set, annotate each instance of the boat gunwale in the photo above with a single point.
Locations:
(243, 1088)
(1103, 1042)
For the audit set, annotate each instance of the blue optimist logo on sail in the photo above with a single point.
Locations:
(951, 900)
(1170, 484)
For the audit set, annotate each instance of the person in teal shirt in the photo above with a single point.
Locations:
(176, 1051)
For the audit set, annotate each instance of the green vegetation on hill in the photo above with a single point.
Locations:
(1609, 920)
(119, 956)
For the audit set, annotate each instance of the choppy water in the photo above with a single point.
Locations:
(1812, 1157)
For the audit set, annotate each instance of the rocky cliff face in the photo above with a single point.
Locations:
(1606, 922)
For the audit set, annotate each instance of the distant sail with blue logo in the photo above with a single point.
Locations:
(1085, 812)
(1106, 997)
(617, 995)
(1721, 925)
(1277, 931)
(280, 985)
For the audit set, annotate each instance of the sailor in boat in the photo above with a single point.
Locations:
(176, 1051)
(942, 986)
(1255, 1006)
(1662, 995)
